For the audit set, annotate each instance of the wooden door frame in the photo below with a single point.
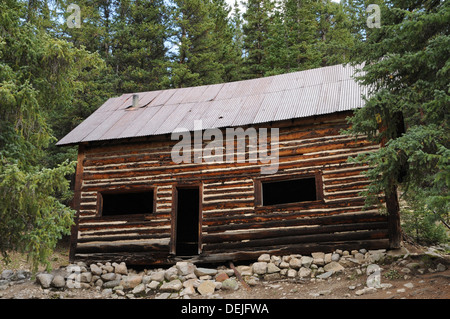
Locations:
(173, 233)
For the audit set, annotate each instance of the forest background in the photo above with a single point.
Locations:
(61, 59)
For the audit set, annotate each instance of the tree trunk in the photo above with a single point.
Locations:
(393, 208)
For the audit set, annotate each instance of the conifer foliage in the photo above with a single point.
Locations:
(406, 65)
(54, 75)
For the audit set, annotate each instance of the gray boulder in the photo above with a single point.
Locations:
(259, 268)
(185, 268)
(7, 274)
(230, 284)
(130, 281)
(58, 281)
(172, 286)
(205, 272)
(96, 270)
(121, 268)
(45, 280)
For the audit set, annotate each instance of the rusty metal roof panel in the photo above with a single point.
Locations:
(249, 109)
(84, 128)
(157, 120)
(128, 118)
(162, 98)
(280, 97)
(309, 97)
(195, 94)
(145, 98)
(172, 121)
(145, 115)
(328, 99)
(178, 96)
(210, 93)
(351, 96)
(195, 113)
(269, 107)
(104, 126)
(285, 82)
(229, 112)
(288, 105)
(213, 113)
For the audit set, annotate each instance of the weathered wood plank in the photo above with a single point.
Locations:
(290, 231)
(316, 238)
(292, 220)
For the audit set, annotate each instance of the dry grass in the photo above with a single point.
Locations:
(60, 257)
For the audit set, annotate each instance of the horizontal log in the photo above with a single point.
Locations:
(287, 213)
(331, 182)
(123, 161)
(306, 248)
(316, 238)
(176, 169)
(345, 195)
(347, 186)
(96, 223)
(130, 258)
(135, 183)
(284, 232)
(329, 125)
(270, 222)
(230, 196)
(301, 209)
(137, 235)
(246, 204)
(141, 246)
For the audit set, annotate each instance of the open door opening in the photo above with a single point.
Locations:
(187, 218)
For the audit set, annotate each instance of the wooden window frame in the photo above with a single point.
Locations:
(99, 212)
(258, 189)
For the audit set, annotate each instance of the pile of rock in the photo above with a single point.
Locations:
(117, 281)
(186, 279)
(10, 277)
(317, 265)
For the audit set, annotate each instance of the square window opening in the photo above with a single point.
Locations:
(289, 191)
(114, 204)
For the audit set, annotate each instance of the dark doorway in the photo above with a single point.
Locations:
(187, 236)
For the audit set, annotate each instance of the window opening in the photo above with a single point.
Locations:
(114, 204)
(288, 191)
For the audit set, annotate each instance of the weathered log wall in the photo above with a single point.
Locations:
(233, 225)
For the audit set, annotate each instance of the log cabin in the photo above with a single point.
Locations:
(137, 202)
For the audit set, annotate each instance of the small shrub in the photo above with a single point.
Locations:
(392, 274)
(423, 226)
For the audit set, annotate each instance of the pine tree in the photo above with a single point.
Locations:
(335, 34)
(256, 30)
(39, 75)
(234, 71)
(196, 60)
(138, 51)
(406, 64)
(300, 27)
(224, 35)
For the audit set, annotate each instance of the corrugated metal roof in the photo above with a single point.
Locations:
(280, 97)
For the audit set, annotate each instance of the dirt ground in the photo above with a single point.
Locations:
(412, 285)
